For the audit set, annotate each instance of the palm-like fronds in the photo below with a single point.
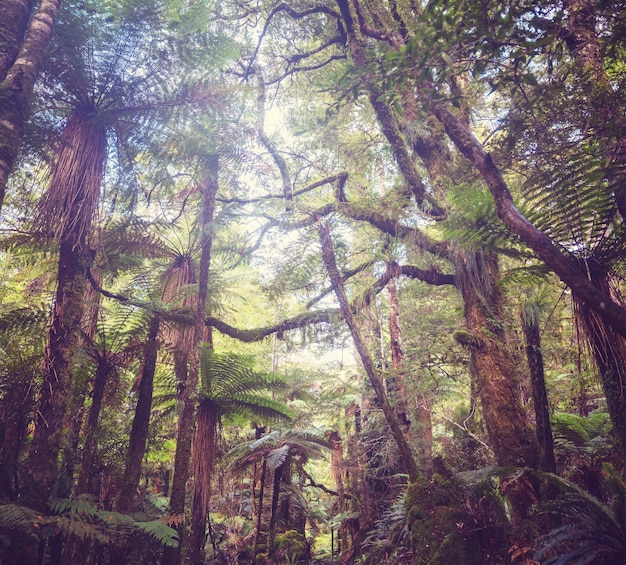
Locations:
(275, 446)
(569, 196)
(594, 532)
(82, 520)
(230, 383)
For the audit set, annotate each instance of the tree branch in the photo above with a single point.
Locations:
(284, 7)
(557, 259)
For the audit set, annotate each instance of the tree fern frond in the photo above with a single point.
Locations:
(276, 457)
(22, 319)
(19, 519)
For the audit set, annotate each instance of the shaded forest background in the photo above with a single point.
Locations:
(333, 281)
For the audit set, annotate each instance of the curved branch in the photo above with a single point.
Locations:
(284, 7)
(557, 259)
(248, 336)
(307, 68)
(394, 228)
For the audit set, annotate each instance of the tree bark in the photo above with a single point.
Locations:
(141, 421)
(18, 81)
(204, 454)
(608, 349)
(14, 16)
(534, 355)
(91, 436)
(271, 538)
(328, 256)
(491, 362)
(259, 515)
(63, 336)
(171, 556)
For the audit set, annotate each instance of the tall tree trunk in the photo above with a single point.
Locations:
(171, 556)
(285, 517)
(259, 515)
(328, 257)
(14, 16)
(21, 56)
(534, 355)
(420, 431)
(63, 337)
(91, 438)
(271, 537)
(75, 417)
(15, 410)
(204, 454)
(141, 421)
(493, 368)
(608, 349)
(66, 211)
(338, 473)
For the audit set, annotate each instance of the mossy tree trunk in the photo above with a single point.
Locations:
(491, 363)
(63, 337)
(22, 48)
(534, 356)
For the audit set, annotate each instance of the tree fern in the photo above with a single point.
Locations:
(82, 521)
(594, 532)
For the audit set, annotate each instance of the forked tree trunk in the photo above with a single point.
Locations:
(491, 363)
(141, 421)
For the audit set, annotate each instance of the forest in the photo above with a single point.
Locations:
(312, 282)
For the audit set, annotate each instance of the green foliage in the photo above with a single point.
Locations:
(388, 539)
(83, 521)
(593, 532)
(275, 446)
(230, 383)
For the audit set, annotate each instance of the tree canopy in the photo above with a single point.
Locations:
(315, 281)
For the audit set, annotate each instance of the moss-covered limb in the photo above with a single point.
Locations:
(184, 316)
(17, 87)
(394, 228)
